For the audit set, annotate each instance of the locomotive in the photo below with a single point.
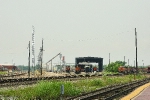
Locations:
(84, 67)
(68, 69)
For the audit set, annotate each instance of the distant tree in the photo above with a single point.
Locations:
(104, 66)
(113, 66)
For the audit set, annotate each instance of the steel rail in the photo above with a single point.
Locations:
(111, 92)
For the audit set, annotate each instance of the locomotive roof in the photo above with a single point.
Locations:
(84, 63)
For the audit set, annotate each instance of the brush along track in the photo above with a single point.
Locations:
(111, 92)
(29, 81)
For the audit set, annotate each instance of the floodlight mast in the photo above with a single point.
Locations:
(33, 49)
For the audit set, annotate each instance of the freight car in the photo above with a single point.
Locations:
(126, 70)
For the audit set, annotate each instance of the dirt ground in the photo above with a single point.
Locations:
(37, 74)
(44, 74)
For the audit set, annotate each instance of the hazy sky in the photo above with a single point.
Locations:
(76, 28)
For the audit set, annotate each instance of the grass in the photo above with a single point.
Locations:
(3, 72)
(51, 89)
(44, 89)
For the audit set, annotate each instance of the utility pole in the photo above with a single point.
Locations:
(41, 56)
(29, 60)
(136, 50)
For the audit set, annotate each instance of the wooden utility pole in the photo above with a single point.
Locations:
(29, 60)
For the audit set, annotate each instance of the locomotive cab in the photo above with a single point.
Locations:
(87, 69)
(77, 69)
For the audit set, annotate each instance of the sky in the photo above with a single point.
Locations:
(76, 28)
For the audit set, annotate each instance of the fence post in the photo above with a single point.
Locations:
(62, 91)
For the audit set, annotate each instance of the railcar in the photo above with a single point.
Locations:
(148, 69)
(126, 70)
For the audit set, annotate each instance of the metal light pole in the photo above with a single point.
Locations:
(124, 61)
(60, 61)
(109, 58)
(41, 56)
(128, 65)
(29, 60)
(136, 49)
(134, 63)
(143, 65)
(128, 62)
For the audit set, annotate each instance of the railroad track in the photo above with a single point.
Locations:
(34, 80)
(29, 81)
(8, 76)
(111, 92)
(106, 93)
